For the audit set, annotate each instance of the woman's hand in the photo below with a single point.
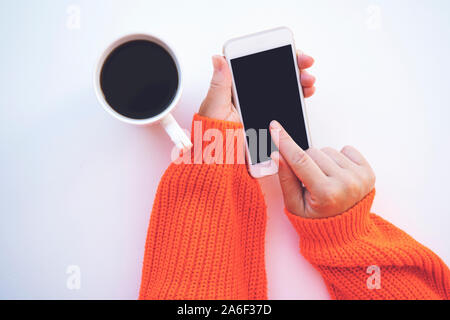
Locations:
(333, 181)
(218, 103)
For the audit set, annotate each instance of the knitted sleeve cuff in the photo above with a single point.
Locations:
(208, 123)
(217, 141)
(348, 226)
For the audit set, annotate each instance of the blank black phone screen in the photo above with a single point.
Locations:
(267, 89)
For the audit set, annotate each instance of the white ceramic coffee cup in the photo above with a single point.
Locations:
(168, 122)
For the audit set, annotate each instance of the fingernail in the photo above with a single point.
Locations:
(218, 74)
(275, 125)
(216, 62)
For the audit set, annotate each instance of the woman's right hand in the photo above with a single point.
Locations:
(333, 181)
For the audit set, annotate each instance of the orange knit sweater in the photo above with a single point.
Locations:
(206, 241)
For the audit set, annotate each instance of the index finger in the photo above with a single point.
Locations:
(300, 162)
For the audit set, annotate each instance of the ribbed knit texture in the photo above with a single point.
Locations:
(206, 241)
(343, 247)
(206, 234)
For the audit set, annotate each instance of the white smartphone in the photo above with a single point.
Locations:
(266, 87)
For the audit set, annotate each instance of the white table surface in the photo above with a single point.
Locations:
(77, 186)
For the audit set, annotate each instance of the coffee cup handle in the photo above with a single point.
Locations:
(176, 133)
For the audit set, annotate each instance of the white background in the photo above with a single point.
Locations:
(77, 186)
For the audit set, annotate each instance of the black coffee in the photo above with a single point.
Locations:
(139, 79)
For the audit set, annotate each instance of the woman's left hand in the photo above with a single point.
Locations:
(218, 103)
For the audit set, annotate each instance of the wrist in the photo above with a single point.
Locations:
(216, 142)
(348, 226)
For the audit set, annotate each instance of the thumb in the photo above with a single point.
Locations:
(219, 94)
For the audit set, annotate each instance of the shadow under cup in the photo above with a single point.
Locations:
(139, 79)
